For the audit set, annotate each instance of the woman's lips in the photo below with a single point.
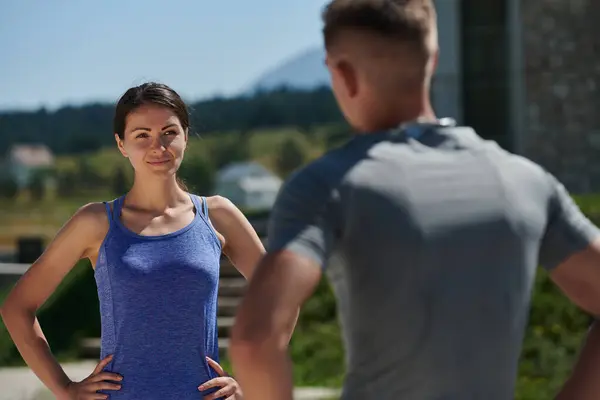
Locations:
(158, 162)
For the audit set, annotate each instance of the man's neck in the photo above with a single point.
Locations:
(402, 115)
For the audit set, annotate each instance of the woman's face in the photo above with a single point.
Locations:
(154, 141)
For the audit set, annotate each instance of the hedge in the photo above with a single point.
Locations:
(71, 313)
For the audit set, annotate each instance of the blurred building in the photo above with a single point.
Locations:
(526, 73)
(23, 161)
(249, 185)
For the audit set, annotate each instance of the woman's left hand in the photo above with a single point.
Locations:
(229, 388)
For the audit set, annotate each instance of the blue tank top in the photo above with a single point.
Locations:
(158, 306)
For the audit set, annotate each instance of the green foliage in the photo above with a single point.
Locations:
(66, 185)
(198, 174)
(75, 305)
(230, 149)
(292, 154)
(9, 189)
(70, 314)
(554, 335)
(37, 186)
(88, 177)
(316, 347)
(86, 129)
(121, 182)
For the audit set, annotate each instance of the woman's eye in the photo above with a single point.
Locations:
(171, 133)
(142, 135)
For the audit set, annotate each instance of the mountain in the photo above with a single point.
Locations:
(306, 70)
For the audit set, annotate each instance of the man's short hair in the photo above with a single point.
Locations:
(412, 22)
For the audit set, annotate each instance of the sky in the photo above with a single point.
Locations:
(69, 52)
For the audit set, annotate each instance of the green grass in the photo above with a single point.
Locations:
(27, 218)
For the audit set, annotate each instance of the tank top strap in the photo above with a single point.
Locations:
(197, 203)
(116, 208)
(113, 210)
(202, 211)
(108, 212)
(204, 207)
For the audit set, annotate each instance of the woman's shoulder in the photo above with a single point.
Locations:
(218, 202)
(93, 216)
(215, 203)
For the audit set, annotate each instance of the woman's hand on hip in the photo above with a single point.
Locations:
(228, 387)
(88, 388)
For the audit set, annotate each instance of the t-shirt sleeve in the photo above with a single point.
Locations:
(302, 219)
(568, 230)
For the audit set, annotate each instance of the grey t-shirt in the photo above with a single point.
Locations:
(431, 243)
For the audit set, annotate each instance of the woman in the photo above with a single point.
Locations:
(156, 253)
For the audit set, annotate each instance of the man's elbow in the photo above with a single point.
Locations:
(251, 339)
(246, 337)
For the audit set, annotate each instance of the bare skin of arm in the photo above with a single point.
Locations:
(265, 321)
(79, 238)
(579, 278)
(240, 242)
(243, 247)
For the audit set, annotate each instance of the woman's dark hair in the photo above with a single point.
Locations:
(150, 93)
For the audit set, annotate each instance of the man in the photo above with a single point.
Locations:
(437, 231)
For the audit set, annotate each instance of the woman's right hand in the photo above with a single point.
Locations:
(88, 388)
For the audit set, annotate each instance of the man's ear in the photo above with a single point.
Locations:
(348, 77)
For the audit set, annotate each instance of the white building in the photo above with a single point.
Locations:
(24, 160)
(249, 185)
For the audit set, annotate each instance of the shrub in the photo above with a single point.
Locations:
(71, 313)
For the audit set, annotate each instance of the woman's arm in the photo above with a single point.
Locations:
(241, 243)
(78, 238)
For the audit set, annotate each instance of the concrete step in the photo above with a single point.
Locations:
(227, 306)
(232, 286)
(224, 325)
(89, 348)
(228, 270)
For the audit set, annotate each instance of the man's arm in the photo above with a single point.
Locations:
(579, 278)
(570, 251)
(299, 240)
(265, 320)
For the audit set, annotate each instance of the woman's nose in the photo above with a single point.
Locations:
(159, 144)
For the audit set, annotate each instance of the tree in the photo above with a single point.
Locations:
(227, 152)
(37, 186)
(120, 181)
(9, 188)
(88, 177)
(292, 155)
(66, 183)
(198, 174)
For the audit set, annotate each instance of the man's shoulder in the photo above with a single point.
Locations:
(325, 171)
(524, 174)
